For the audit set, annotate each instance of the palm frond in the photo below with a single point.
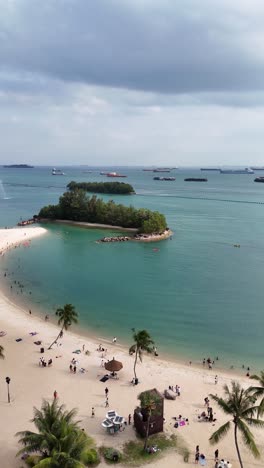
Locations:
(224, 405)
(220, 433)
(248, 438)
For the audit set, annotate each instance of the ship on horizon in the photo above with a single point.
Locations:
(247, 170)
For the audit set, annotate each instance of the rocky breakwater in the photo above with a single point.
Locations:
(115, 239)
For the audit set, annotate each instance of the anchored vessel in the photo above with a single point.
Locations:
(57, 172)
(247, 170)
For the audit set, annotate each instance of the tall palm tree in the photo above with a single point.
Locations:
(67, 316)
(149, 401)
(258, 391)
(2, 356)
(142, 342)
(59, 442)
(239, 404)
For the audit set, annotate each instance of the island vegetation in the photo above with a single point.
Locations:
(77, 206)
(118, 188)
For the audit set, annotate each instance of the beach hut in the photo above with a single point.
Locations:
(113, 366)
(156, 420)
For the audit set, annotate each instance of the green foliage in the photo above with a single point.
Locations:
(67, 316)
(258, 391)
(119, 188)
(32, 460)
(240, 405)
(155, 223)
(134, 454)
(142, 342)
(59, 441)
(90, 457)
(77, 206)
(111, 454)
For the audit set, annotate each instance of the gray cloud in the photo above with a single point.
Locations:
(160, 46)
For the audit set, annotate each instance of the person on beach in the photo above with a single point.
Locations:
(55, 394)
(29, 309)
(216, 380)
(106, 392)
(197, 456)
(93, 412)
(70, 367)
(216, 455)
(83, 347)
(129, 419)
(74, 369)
(114, 339)
(102, 363)
(106, 402)
(46, 318)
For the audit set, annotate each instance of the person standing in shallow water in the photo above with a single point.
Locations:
(55, 394)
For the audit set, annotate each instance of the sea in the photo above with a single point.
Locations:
(199, 294)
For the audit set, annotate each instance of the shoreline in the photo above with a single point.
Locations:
(30, 384)
(24, 304)
(142, 237)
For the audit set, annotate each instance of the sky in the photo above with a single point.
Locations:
(132, 82)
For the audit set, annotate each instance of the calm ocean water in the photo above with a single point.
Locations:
(197, 295)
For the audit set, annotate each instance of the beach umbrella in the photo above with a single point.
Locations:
(113, 366)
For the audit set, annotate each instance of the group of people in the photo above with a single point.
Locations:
(43, 363)
(176, 389)
(209, 417)
(209, 362)
(199, 457)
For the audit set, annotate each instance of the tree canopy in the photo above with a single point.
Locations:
(75, 205)
(119, 188)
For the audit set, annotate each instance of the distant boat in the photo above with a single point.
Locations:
(210, 169)
(247, 170)
(195, 179)
(164, 178)
(103, 173)
(19, 166)
(114, 174)
(257, 168)
(57, 172)
(259, 179)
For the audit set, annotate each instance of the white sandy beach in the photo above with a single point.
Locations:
(31, 383)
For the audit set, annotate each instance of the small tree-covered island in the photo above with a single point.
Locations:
(117, 188)
(78, 208)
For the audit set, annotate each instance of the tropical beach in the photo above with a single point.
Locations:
(31, 383)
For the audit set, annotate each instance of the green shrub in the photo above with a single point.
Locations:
(32, 460)
(90, 457)
(111, 455)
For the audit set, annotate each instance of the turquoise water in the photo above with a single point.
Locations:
(197, 295)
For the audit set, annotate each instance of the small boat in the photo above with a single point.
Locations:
(164, 178)
(257, 168)
(247, 170)
(114, 174)
(195, 179)
(57, 172)
(259, 179)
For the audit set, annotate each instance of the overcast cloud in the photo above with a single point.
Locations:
(132, 81)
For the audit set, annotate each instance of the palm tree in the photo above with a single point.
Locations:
(2, 356)
(67, 316)
(149, 402)
(258, 391)
(59, 442)
(142, 342)
(239, 404)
